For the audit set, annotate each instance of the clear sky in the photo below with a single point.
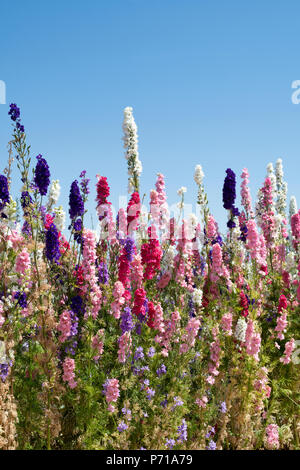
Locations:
(209, 82)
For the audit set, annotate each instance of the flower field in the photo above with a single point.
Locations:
(154, 332)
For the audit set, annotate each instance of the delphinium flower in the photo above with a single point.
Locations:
(240, 330)
(22, 299)
(211, 228)
(77, 226)
(293, 209)
(151, 254)
(42, 175)
(281, 189)
(22, 263)
(202, 402)
(295, 226)
(78, 305)
(91, 287)
(4, 370)
(223, 407)
(84, 183)
(64, 326)
(121, 224)
(151, 352)
(76, 206)
(245, 193)
(163, 210)
(229, 196)
(136, 272)
(139, 302)
(126, 320)
(129, 248)
(182, 431)
(252, 340)
(177, 402)
(253, 240)
(98, 344)
(161, 370)
(266, 218)
(47, 218)
(215, 352)
(69, 375)
(198, 178)
(281, 325)
(52, 244)
(243, 227)
(4, 192)
(59, 218)
(127, 413)
(133, 212)
(190, 334)
(167, 330)
(155, 315)
(119, 300)
(131, 145)
(26, 229)
(25, 200)
(217, 262)
(103, 272)
(244, 303)
(71, 347)
(103, 192)
(170, 443)
(14, 112)
(139, 354)
(124, 350)
(124, 268)
(211, 445)
(54, 193)
(122, 426)
(272, 436)
(192, 310)
(272, 177)
(150, 393)
(289, 348)
(111, 390)
(226, 323)
(183, 259)
(282, 303)
(197, 297)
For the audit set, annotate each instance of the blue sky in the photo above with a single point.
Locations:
(209, 81)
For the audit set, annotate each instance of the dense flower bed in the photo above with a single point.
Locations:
(153, 333)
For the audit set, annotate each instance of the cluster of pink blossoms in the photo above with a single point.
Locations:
(69, 375)
(112, 393)
(281, 325)
(289, 348)
(215, 352)
(168, 332)
(226, 323)
(245, 193)
(252, 341)
(119, 301)
(188, 339)
(64, 325)
(89, 272)
(272, 436)
(124, 350)
(98, 343)
(22, 262)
